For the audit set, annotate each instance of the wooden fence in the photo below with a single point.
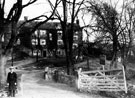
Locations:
(103, 80)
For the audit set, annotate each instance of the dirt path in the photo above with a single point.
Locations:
(34, 86)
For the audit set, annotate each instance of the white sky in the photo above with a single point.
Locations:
(40, 7)
(36, 9)
(31, 11)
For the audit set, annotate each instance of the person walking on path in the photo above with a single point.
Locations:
(46, 71)
(12, 82)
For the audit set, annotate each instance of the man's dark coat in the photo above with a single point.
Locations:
(12, 79)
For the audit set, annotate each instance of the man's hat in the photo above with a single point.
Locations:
(11, 67)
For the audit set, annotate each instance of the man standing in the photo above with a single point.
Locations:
(12, 82)
(46, 73)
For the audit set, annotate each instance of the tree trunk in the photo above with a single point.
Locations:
(71, 66)
(67, 61)
(3, 61)
(115, 48)
(115, 45)
(123, 56)
(8, 32)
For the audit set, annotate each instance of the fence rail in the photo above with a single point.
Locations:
(103, 80)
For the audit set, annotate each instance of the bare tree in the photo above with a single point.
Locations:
(106, 17)
(127, 36)
(129, 18)
(37, 24)
(70, 9)
(109, 22)
(9, 30)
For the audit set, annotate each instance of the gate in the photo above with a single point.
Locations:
(103, 80)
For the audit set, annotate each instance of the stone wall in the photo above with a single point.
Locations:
(67, 79)
(61, 77)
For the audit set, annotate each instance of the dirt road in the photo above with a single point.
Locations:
(34, 86)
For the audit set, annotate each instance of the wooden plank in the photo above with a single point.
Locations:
(110, 90)
(107, 80)
(101, 89)
(101, 79)
(109, 84)
(95, 71)
(110, 76)
(100, 82)
(107, 88)
(103, 84)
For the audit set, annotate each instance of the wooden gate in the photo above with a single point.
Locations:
(103, 80)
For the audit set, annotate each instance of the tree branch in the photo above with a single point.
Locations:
(3, 5)
(30, 20)
(79, 8)
(56, 11)
(48, 18)
(2, 10)
(29, 3)
(15, 11)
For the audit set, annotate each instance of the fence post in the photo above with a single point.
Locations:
(125, 83)
(78, 80)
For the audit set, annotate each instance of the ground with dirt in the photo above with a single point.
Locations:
(34, 86)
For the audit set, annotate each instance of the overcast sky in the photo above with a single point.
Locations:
(38, 8)
(41, 7)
